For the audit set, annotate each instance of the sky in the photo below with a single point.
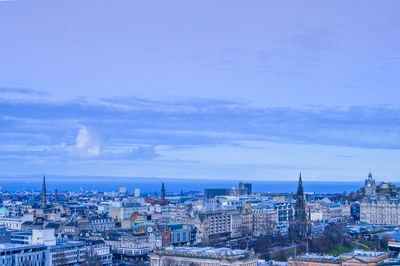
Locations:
(256, 90)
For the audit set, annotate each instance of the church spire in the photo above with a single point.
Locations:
(163, 192)
(43, 202)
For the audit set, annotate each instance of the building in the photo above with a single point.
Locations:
(363, 257)
(5, 236)
(133, 247)
(284, 214)
(210, 193)
(202, 257)
(137, 192)
(163, 192)
(265, 219)
(383, 210)
(315, 260)
(42, 236)
(15, 222)
(357, 257)
(244, 189)
(98, 252)
(370, 186)
(101, 223)
(42, 247)
(326, 210)
(43, 201)
(70, 253)
(247, 219)
(125, 211)
(214, 224)
(16, 254)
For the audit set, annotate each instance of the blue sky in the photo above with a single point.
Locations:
(208, 89)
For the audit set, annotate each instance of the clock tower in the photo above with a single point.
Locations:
(370, 187)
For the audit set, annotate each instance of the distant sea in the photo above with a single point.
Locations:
(172, 185)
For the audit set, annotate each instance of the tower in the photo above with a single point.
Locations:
(43, 201)
(163, 192)
(370, 186)
(298, 225)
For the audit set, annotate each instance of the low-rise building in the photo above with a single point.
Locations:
(211, 223)
(16, 254)
(101, 223)
(202, 256)
(70, 253)
(15, 222)
(354, 258)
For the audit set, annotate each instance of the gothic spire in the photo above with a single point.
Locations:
(300, 191)
(43, 201)
(299, 223)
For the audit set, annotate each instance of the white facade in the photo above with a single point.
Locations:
(137, 192)
(45, 237)
(15, 222)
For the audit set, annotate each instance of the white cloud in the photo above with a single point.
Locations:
(85, 144)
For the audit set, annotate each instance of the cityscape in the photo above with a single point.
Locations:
(217, 226)
(199, 133)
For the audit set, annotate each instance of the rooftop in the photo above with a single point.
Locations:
(365, 253)
(319, 258)
(205, 252)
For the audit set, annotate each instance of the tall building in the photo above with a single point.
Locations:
(163, 191)
(210, 193)
(137, 192)
(298, 226)
(43, 201)
(370, 187)
(244, 188)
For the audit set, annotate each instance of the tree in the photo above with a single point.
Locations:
(282, 255)
(262, 243)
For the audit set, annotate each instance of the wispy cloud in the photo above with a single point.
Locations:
(178, 133)
(199, 122)
(24, 91)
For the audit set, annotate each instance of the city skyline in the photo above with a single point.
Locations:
(187, 133)
(253, 92)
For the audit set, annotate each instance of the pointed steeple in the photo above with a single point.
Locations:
(43, 201)
(370, 176)
(163, 192)
(300, 191)
(299, 223)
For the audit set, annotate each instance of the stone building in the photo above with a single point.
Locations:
(265, 219)
(354, 258)
(202, 257)
(383, 210)
(218, 222)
